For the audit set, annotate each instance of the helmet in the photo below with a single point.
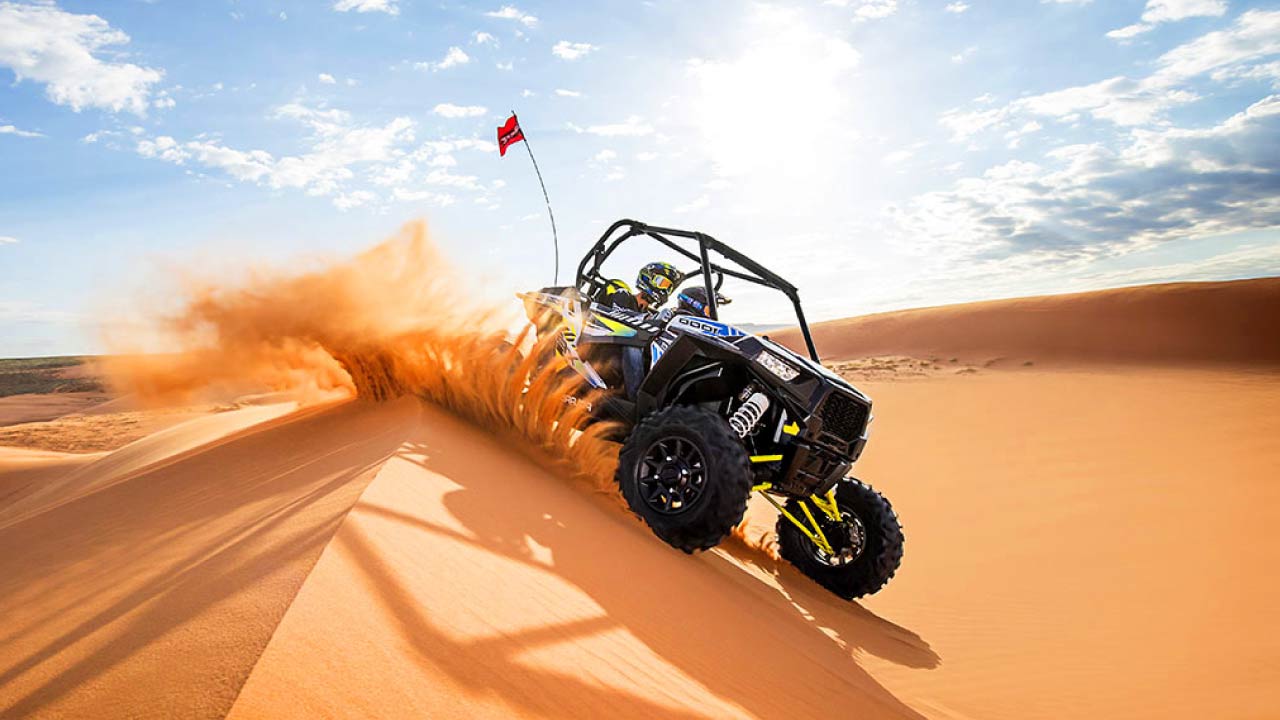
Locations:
(694, 301)
(656, 281)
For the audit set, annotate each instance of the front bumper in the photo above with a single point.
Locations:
(831, 440)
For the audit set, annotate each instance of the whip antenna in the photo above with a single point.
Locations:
(509, 134)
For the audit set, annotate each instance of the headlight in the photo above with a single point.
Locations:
(775, 365)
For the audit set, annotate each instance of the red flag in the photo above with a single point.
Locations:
(508, 135)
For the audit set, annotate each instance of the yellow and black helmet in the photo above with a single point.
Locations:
(656, 281)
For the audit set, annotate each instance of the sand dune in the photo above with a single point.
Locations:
(1229, 323)
(1092, 541)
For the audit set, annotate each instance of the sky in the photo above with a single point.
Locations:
(879, 154)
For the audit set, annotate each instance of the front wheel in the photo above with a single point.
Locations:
(866, 544)
(686, 474)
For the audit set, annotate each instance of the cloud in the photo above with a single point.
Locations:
(568, 93)
(390, 7)
(1089, 201)
(964, 54)
(449, 110)
(354, 199)
(340, 152)
(956, 7)
(11, 130)
(633, 127)
(483, 38)
(326, 78)
(867, 9)
(566, 50)
(605, 156)
(1161, 11)
(8, 240)
(1236, 52)
(511, 12)
(454, 57)
(47, 45)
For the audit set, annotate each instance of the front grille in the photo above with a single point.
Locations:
(843, 417)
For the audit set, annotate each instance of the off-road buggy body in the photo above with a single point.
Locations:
(711, 413)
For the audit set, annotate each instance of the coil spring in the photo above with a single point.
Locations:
(746, 417)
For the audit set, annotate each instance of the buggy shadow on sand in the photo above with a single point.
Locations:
(721, 413)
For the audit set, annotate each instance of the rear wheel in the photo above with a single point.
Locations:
(866, 544)
(686, 474)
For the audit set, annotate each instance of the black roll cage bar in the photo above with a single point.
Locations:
(590, 281)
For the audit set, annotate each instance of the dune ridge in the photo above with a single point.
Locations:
(1222, 323)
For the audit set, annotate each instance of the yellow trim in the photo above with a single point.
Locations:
(826, 546)
(828, 505)
(819, 539)
(765, 458)
(791, 429)
(762, 487)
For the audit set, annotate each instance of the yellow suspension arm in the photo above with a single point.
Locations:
(815, 534)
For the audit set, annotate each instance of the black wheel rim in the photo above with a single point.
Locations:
(848, 541)
(672, 476)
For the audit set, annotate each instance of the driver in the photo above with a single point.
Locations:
(654, 284)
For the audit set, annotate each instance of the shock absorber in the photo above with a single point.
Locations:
(748, 414)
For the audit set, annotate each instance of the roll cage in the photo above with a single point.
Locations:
(590, 282)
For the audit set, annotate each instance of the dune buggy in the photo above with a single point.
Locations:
(717, 413)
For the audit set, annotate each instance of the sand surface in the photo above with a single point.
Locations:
(1084, 539)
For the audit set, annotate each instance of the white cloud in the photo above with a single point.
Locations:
(568, 93)
(526, 93)
(326, 78)
(483, 38)
(454, 57)
(868, 9)
(1128, 31)
(505, 66)
(354, 199)
(449, 110)
(8, 240)
(1158, 11)
(1236, 52)
(633, 127)
(1161, 11)
(47, 45)
(566, 50)
(964, 54)
(424, 196)
(1088, 201)
(163, 147)
(340, 153)
(1254, 35)
(390, 7)
(956, 7)
(511, 12)
(11, 130)
(646, 156)
(605, 156)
